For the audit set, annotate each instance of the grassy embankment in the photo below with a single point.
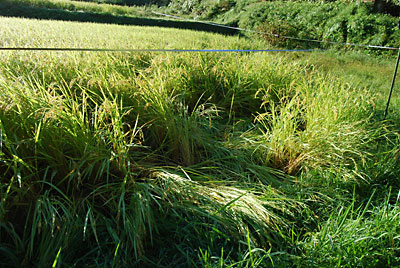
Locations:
(188, 159)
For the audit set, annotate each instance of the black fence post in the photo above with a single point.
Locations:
(393, 80)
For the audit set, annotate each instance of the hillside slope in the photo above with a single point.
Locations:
(354, 22)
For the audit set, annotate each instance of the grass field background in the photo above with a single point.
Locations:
(192, 159)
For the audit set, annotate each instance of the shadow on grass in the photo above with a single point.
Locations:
(15, 10)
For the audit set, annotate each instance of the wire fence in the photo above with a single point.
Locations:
(150, 50)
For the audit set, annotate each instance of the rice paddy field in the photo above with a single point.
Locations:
(191, 159)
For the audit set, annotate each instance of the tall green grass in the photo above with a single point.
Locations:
(157, 159)
(357, 236)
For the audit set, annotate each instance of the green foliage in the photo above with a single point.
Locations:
(337, 22)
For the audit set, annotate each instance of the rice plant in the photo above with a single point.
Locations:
(156, 159)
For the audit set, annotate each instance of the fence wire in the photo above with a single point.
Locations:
(150, 50)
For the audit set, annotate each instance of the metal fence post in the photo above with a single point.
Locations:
(393, 80)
